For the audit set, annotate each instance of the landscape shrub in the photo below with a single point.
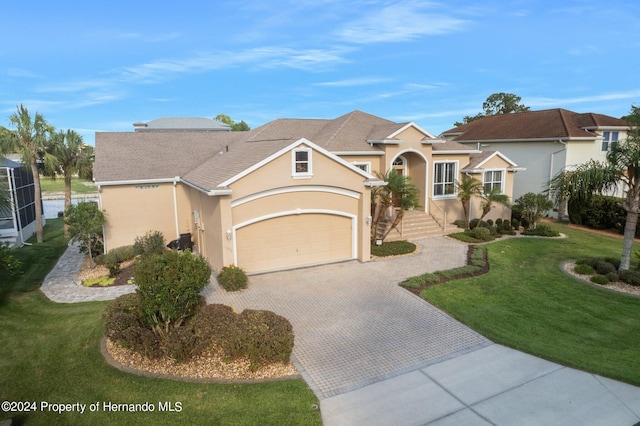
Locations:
(540, 231)
(473, 223)
(599, 279)
(180, 344)
(490, 222)
(478, 256)
(462, 271)
(630, 277)
(150, 244)
(393, 248)
(613, 277)
(268, 337)
(114, 258)
(421, 280)
(233, 278)
(603, 267)
(499, 222)
(460, 223)
(142, 340)
(515, 223)
(169, 285)
(584, 269)
(481, 233)
(212, 323)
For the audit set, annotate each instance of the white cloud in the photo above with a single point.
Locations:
(604, 97)
(361, 81)
(398, 22)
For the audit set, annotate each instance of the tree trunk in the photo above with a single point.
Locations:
(67, 201)
(629, 235)
(37, 200)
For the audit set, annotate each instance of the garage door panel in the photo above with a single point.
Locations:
(294, 240)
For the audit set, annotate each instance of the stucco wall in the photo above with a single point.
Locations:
(134, 210)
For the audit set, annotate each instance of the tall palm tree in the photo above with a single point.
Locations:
(73, 158)
(622, 167)
(398, 187)
(30, 139)
(468, 187)
(491, 198)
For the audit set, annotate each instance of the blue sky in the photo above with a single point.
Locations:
(103, 65)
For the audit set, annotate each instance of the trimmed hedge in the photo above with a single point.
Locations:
(233, 278)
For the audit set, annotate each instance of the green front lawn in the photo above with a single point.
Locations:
(50, 352)
(526, 302)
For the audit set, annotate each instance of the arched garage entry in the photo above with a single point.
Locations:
(294, 239)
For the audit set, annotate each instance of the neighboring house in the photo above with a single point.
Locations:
(544, 142)
(191, 124)
(291, 193)
(18, 221)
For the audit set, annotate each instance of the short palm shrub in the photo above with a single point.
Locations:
(233, 278)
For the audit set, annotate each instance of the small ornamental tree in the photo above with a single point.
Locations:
(85, 222)
(169, 285)
(534, 207)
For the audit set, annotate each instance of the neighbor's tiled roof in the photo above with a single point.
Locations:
(546, 124)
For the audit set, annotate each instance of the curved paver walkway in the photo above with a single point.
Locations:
(63, 286)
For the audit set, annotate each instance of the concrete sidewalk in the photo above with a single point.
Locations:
(491, 386)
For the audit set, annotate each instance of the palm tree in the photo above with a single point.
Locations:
(30, 140)
(73, 157)
(467, 188)
(622, 166)
(491, 198)
(399, 188)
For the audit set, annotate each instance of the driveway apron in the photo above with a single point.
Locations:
(353, 324)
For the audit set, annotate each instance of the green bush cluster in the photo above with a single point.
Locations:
(606, 269)
(541, 230)
(599, 279)
(114, 258)
(477, 261)
(169, 285)
(630, 277)
(149, 244)
(233, 278)
(584, 269)
(481, 233)
(260, 336)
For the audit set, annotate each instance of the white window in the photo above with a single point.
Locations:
(301, 162)
(444, 179)
(366, 167)
(608, 138)
(493, 179)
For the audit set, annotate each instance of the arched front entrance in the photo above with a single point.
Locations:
(413, 164)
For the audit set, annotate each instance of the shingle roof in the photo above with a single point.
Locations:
(208, 159)
(545, 124)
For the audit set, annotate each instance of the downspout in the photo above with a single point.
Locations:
(554, 153)
(175, 205)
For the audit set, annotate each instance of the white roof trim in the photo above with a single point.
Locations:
(411, 124)
(213, 192)
(137, 181)
(498, 153)
(455, 151)
(357, 152)
(553, 139)
(301, 141)
(388, 141)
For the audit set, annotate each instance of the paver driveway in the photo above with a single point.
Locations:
(353, 324)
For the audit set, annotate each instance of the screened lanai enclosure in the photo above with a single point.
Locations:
(18, 217)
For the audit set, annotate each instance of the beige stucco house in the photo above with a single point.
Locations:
(291, 193)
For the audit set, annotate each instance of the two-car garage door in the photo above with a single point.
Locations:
(294, 240)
